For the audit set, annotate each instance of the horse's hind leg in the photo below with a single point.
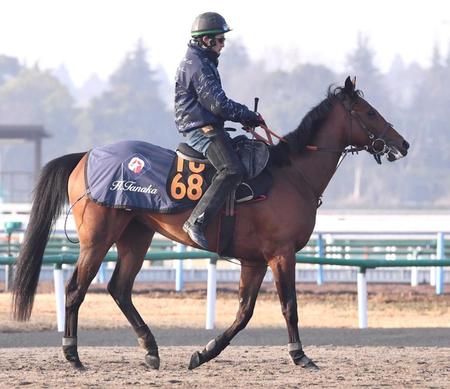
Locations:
(88, 264)
(251, 279)
(98, 229)
(131, 247)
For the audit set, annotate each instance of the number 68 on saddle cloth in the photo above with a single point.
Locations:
(188, 180)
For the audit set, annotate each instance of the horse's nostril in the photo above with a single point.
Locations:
(405, 145)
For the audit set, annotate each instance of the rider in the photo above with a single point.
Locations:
(201, 108)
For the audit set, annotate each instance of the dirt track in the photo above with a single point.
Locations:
(346, 356)
(236, 367)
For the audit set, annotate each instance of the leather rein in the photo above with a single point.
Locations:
(377, 148)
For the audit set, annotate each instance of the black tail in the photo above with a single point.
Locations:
(49, 198)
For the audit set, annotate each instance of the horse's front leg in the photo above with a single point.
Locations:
(251, 279)
(283, 269)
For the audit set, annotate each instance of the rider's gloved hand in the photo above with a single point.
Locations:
(261, 121)
(256, 121)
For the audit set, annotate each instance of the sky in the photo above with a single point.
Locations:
(94, 36)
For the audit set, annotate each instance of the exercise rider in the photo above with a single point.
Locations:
(201, 108)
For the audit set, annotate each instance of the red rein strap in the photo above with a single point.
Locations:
(269, 141)
(269, 133)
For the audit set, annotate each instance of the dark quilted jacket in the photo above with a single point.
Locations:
(199, 97)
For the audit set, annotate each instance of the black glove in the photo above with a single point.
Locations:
(255, 122)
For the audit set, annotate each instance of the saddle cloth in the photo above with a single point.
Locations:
(137, 175)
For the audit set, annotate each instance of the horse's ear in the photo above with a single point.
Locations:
(349, 86)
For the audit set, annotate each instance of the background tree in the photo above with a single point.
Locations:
(130, 109)
(428, 118)
(36, 97)
(9, 67)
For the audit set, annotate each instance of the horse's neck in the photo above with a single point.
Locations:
(318, 167)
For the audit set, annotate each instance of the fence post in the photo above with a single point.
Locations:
(211, 294)
(362, 298)
(100, 277)
(433, 276)
(440, 254)
(58, 279)
(179, 273)
(9, 269)
(415, 271)
(320, 254)
(10, 227)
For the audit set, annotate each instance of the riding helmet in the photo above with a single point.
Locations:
(209, 23)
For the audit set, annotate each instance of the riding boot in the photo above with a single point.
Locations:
(229, 173)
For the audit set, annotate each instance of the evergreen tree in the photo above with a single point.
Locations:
(131, 108)
(428, 117)
(361, 64)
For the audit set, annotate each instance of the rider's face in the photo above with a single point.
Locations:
(220, 43)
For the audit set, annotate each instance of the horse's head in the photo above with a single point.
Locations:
(368, 129)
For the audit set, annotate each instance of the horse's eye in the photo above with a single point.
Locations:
(371, 113)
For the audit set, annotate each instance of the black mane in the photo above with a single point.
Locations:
(298, 139)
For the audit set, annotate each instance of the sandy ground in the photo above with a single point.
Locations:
(255, 366)
(236, 367)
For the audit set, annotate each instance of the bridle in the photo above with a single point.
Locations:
(379, 146)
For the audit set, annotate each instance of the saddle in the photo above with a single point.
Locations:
(254, 156)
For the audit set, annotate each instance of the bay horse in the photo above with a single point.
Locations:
(267, 233)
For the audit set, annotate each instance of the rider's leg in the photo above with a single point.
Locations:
(230, 172)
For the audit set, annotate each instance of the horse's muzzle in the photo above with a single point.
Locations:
(397, 151)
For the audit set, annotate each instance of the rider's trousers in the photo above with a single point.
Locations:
(229, 174)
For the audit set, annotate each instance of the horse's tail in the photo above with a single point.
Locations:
(49, 198)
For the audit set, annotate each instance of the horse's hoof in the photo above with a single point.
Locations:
(152, 361)
(307, 363)
(77, 365)
(196, 360)
(311, 366)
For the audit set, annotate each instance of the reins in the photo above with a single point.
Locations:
(269, 133)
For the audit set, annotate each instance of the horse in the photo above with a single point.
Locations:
(267, 233)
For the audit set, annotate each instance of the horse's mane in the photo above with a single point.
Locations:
(297, 140)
